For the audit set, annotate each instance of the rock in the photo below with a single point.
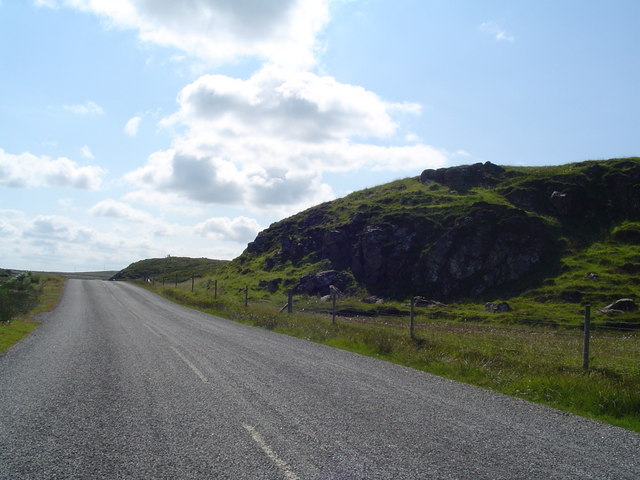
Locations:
(621, 305)
(426, 302)
(593, 276)
(497, 307)
(320, 283)
(336, 247)
(490, 248)
(464, 177)
(373, 299)
(272, 286)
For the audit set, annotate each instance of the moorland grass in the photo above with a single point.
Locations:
(49, 294)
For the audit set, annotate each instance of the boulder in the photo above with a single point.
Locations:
(373, 299)
(426, 302)
(621, 305)
(497, 307)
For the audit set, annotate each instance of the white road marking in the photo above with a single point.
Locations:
(281, 464)
(191, 365)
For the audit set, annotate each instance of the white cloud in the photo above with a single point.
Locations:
(27, 171)
(86, 108)
(276, 102)
(497, 32)
(266, 141)
(53, 228)
(118, 210)
(86, 152)
(131, 128)
(239, 229)
(219, 31)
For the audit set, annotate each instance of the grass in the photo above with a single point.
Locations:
(18, 328)
(541, 363)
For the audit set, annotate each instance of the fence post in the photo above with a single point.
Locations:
(411, 324)
(176, 280)
(246, 296)
(290, 302)
(192, 280)
(333, 304)
(585, 343)
(215, 289)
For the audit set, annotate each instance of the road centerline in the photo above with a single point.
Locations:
(273, 456)
(190, 365)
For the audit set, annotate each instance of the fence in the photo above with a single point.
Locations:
(568, 342)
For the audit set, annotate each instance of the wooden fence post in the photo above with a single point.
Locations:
(176, 280)
(215, 289)
(290, 302)
(587, 335)
(192, 280)
(246, 296)
(411, 324)
(333, 303)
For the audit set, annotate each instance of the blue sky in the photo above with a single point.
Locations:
(132, 129)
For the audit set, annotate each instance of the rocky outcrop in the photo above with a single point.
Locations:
(491, 247)
(409, 241)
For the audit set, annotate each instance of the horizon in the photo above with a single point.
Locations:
(137, 130)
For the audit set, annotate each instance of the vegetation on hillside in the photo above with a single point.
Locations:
(170, 269)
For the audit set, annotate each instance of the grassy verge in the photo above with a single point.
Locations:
(48, 295)
(540, 363)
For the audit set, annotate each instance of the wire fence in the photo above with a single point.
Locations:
(560, 340)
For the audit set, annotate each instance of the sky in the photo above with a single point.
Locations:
(134, 129)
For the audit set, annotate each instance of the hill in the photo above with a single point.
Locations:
(170, 269)
(468, 232)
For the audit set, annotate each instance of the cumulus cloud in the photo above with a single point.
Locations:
(218, 31)
(131, 128)
(113, 209)
(267, 141)
(87, 108)
(59, 229)
(239, 229)
(497, 32)
(27, 170)
(277, 102)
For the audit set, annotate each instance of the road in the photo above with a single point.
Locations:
(118, 383)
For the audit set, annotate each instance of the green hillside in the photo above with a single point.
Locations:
(466, 233)
(170, 269)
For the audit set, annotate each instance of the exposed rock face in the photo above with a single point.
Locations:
(492, 246)
(466, 250)
(319, 283)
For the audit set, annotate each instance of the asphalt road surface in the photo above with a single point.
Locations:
(120, 384)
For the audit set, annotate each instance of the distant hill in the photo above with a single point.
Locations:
(468, 232)
(170, 269)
